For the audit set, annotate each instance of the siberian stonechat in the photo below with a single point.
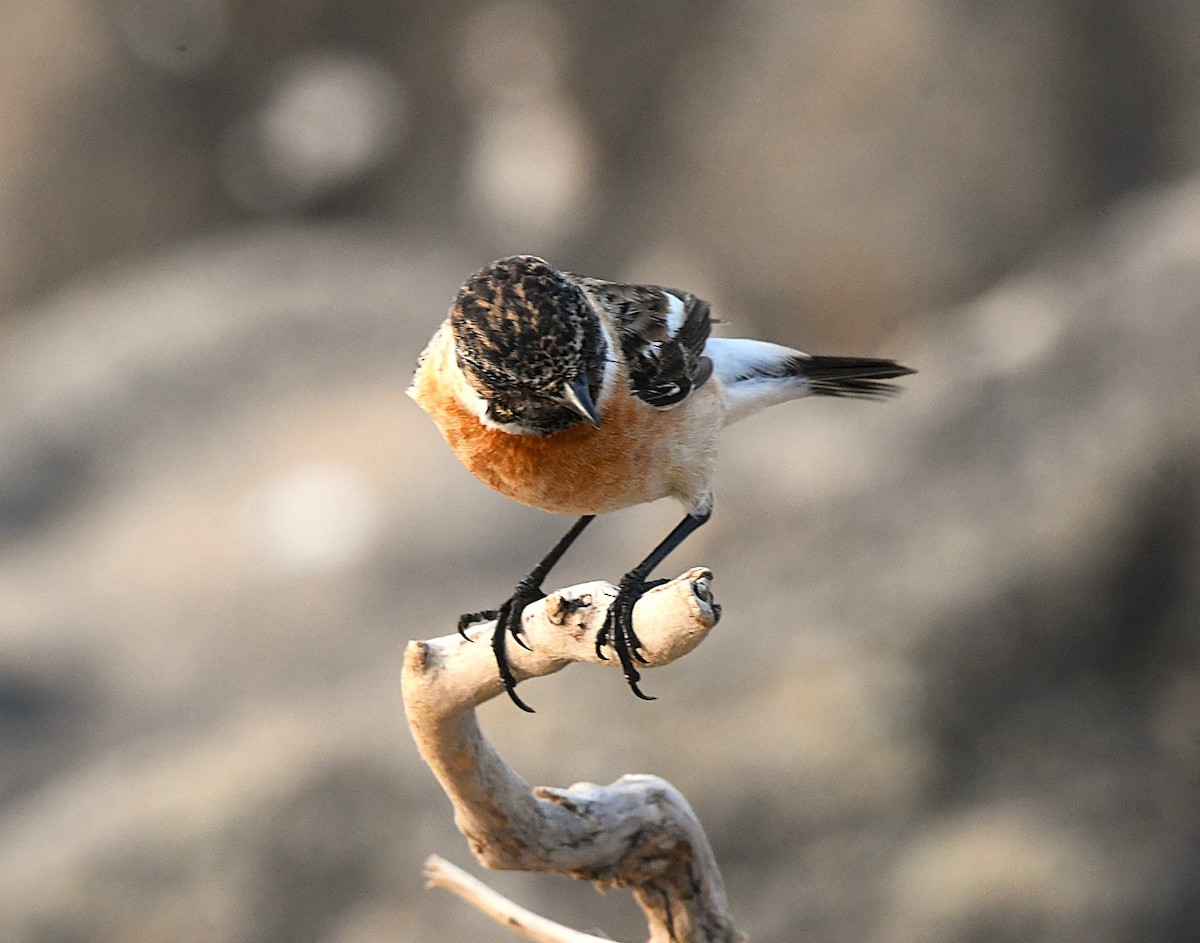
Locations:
(581, 396)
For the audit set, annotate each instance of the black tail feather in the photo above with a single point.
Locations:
(858, 377)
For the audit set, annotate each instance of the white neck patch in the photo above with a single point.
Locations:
(477, 406)
(610, 366)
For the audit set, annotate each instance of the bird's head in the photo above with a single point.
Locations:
(530, 345)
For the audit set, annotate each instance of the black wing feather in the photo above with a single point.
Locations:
(663, 369)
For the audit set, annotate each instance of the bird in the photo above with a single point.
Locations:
(582, 396)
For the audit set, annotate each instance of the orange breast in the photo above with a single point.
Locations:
(638, 454)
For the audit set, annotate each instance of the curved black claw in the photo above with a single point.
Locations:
(618, 631)
(468, 619)
(508, 622)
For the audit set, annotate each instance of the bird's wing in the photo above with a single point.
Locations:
(662, 333)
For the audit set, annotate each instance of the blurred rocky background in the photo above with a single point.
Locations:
(956, 692)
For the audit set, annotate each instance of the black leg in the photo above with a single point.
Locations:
(508, 616)
(618, 624)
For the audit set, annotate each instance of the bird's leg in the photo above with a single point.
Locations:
(508, 616)
(618, 623)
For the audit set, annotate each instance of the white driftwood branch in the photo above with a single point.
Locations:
(639, 832)
(441, 873)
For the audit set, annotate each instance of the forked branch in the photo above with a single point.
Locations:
(638, 833)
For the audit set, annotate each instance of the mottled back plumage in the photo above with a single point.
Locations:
(664, 365)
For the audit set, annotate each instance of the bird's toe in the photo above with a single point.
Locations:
(618, 631)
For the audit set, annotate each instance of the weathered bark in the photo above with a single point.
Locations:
(639, 832)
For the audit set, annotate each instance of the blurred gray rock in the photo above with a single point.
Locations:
(983, 726)
(837, 163)
(230, 229)
(832, 166)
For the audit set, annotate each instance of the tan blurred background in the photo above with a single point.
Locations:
(955, 695)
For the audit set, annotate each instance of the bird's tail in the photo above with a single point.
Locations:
(858, 377)
(756, 374)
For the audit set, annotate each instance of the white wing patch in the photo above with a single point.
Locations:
(675, 313)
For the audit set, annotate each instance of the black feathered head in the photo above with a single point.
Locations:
(530, 344)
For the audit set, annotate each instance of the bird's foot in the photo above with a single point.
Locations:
(508, 622)
(618, 632)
